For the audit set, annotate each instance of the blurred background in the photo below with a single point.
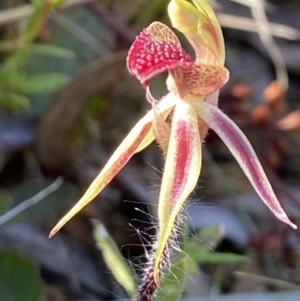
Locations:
(67, 100)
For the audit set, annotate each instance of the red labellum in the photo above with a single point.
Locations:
(155, 50)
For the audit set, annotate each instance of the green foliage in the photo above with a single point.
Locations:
(173, 284)
(16, 85)
(200, 250)
(4, 200)
(53, 3)
(114, 259)
(43, 83)
(39, 17)
(57, 3)
(14, 102)
(19, 278)
(34, 24)
(49, 50)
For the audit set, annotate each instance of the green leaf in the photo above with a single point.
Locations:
(36, 2)
(193, 249)
(221, 258)
(44, 83)
(211, 235)
(202, 254)
(201, 250)
(35, 22)
(54, 3)
(173, 284)
(19, 278)
(57, 3)
(9, 71)
(114, 259)
(4, 201)
(14, 102)
(50, 50)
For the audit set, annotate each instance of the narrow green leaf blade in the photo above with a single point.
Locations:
(14, 102)
(221, 258)
(114, 259)
(50, 50)
(44, 83)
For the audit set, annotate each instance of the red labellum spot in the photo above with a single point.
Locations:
(152, 53)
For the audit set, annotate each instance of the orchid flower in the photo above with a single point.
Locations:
(179, 121)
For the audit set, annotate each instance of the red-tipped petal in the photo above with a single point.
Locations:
(139, 137)
(181, 172)
(155, 50)
(243, 152)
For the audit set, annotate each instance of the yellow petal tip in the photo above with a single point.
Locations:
(57, 227)
(183, 16)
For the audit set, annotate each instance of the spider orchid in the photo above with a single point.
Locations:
(180, 120)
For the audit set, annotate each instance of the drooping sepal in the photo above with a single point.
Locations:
(181, 172)
(139, 137)
(155, 50)
(243, 152)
